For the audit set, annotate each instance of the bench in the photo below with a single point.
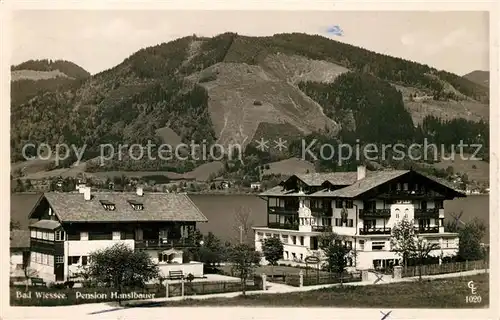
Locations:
(175, 275)
(38, 281)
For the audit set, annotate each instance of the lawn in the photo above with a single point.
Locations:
(442, 293)
(278, 270)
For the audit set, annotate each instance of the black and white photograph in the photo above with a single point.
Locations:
(167, 159)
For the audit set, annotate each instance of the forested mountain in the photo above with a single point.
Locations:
(38, 76)
(479, 77)
(233, 88)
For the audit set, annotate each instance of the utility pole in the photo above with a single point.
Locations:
(241, 234)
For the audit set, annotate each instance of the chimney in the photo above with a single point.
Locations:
(86, 193)
(361, 172)
(140, 191)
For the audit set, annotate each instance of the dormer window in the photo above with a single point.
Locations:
(107, 205)
(136, 205)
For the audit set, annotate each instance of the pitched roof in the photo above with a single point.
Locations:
(278, 191)
(335, 178)
(72, 207)
(19, 239)
(21, 205)
(369, 182)
(46, 224)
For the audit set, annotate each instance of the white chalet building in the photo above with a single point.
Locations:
(359, 206)
(71, 226)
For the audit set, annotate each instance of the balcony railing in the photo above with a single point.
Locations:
(284, 211)
(375, 231)
(375, 213)
(288, 226)
(429, 213)
(322, 228)
(317, 212)
(427, 229)
(164, 244)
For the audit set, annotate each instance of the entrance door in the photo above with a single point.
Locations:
(59, 271)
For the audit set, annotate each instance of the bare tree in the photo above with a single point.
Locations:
(243, 225)
(422, 251)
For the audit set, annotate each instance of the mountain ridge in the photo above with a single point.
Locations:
(232, 88)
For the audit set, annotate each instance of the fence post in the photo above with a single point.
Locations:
(301, 278)
(264, 285)
(166, 288)
(182, 287)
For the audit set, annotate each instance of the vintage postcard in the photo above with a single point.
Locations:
(325, 162)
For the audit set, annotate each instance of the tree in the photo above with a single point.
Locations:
(272, 248)
(119, 266)
(403, 239)
(28, 272)
(337, 252)
(422, 251)
(243, 224)
(470, 236)
(244, 260)
(14, 225)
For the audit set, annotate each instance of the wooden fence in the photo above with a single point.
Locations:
(311, 279)
(211, 287)
(451, 267)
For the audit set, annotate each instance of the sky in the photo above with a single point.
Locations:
(98, 40)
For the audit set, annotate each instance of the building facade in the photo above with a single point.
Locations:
(362, 207)
(71, 226)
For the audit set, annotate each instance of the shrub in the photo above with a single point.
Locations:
(69, 284)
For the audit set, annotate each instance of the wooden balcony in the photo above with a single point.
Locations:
(366, 231)
(322, 212)
(322, 228)
(287, 226)
(427, 213)
(283, 210)
(163, 244)
(427, 229)
(374, 213)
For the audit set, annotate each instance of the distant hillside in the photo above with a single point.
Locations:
(235, 89)
(479, 77)
(34, 77)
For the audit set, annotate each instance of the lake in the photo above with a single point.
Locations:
(220, 211)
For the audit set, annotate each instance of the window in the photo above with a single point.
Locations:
(285, 238)
(369, 205)
(73, 260)
(45, 235)
(39, 234)
(398, 187)
(350, 223)
(362, 244)
(259, 236)
(294, 239)
(45, 259)
(378, 245)
(338, 204)
(136, 205)
(349, 204)
(286, 255)
(326, 222)
(107, 205)
(33, 255)
(38, 257)
(423, 205)
(51, 260)
(439, 204)
(441, 222)
(100, 235)
(276, 235)
(116, 235)
(405, 186)
(301, 241)
(51, 236)
(59, 235)
(268, 235)
(273, 202)
(84, 260)
(33, 233)
(301, 257)
(59, 259)
(370, 223)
